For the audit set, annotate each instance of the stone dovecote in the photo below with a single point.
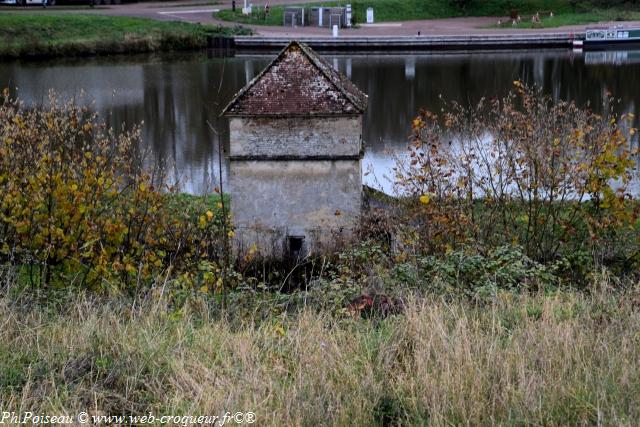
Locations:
(295, 149)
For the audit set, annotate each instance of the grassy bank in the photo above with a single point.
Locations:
(47, 35)
(400, 10)
(405, 10)
(385, 10)
(559, 359)
(559, 20)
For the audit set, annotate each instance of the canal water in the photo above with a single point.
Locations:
(179, 97)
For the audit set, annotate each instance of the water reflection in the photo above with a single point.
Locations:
(178, 95)
(612, 57)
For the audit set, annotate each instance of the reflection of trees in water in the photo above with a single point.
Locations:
(179, 99)
(395, 99)
(180, 93)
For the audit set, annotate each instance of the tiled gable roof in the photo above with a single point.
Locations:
(298, 83)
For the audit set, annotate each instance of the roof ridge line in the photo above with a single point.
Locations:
(313, 57)
(340, 83)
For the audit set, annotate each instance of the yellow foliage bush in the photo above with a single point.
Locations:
(78, 204)
(523, 170)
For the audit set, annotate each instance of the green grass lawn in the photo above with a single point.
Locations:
(385, 10)
(404, 10)
(578, 18)
(53, 34)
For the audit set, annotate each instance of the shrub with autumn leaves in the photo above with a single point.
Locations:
(523, 170)
(79, 207)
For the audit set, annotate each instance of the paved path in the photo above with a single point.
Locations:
(202, 12)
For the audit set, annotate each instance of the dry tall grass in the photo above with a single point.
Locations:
(562, 359)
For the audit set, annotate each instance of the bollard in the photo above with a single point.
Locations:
(369, 15)
(335, 31)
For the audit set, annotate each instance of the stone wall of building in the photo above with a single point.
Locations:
(273, 200)
(295, 137)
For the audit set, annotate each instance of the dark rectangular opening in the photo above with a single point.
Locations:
(295, 246)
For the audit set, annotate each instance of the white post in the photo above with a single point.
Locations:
(320, 16)
(335, 31)
(369, 15)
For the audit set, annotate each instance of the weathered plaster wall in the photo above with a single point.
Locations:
(295, 137)
(271, 200)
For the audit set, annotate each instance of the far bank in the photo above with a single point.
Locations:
(53, 35)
